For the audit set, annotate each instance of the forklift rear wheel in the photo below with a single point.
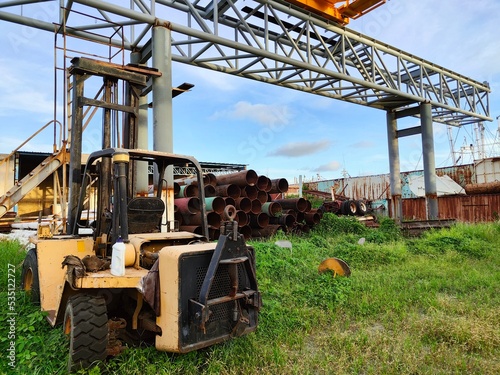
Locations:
(86, 325)
(29, 276)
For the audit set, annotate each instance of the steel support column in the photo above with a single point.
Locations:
(162, 108)
(141, 170)
(105, 169)
(396, 208)
(75, 145)
(429, 161)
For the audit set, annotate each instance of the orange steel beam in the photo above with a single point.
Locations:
(341, 14)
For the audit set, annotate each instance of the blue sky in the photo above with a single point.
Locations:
(277, 131)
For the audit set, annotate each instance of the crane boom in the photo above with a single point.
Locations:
(341, 14)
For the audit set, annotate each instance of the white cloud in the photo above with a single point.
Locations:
(363, 144)
(296, 149)
(329, 167)
(20, 90)
(264, 114)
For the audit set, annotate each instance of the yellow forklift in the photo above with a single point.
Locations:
(178, 292)
(116, 277)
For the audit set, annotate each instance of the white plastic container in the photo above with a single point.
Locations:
(118, 258)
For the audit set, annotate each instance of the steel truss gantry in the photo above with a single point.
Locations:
(274, 42)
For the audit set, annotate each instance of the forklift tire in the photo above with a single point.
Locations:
(86, 325)
(29, 276)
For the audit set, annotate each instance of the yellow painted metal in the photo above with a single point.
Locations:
(341, 14)
(358, 8)
(336, 265)
(104, 279)
(50, 255)
(324, 8)
(121, 157)
(168, 320)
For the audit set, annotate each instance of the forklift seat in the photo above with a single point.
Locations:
(144, 214)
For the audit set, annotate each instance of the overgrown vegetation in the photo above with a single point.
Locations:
(412, 306)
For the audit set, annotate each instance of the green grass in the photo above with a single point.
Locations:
(412, 306)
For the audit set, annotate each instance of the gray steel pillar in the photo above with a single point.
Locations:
(429, 161)
(162, 109)
(396, 208)
(141, 170)
(75, 145)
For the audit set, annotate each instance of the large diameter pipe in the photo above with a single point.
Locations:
(242, 178)
(312, 218)
(215, 204)
(178, 217)
(244, 204)
(228, 190)
(177, 189)
(285, 220)
(272, 208)
(256, 207)
(262, 196)
(259, 221)
(213, 219)
(317, 211)
(229, 201)
(242, 218)
(209, 191)
(298, 204)
(212, 179)
(188, 205)
(309, 206)
(187, 191)
(250, 192)
(263, 183)
(278, 185)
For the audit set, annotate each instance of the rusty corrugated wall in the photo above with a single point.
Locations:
(470, 208)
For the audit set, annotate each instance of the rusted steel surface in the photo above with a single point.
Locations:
(242, 178)
(242, 218)
(228, 190)
(483, 188)
(470, 208)
(279, 185)
(188, 205)
(244, 204)
(272, 208)
(259, 221)
(264, 183)
(298, 204)
(250, 192)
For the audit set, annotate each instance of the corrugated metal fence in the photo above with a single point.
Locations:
(469, 208)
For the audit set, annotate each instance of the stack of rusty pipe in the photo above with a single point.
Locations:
(258, 211)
